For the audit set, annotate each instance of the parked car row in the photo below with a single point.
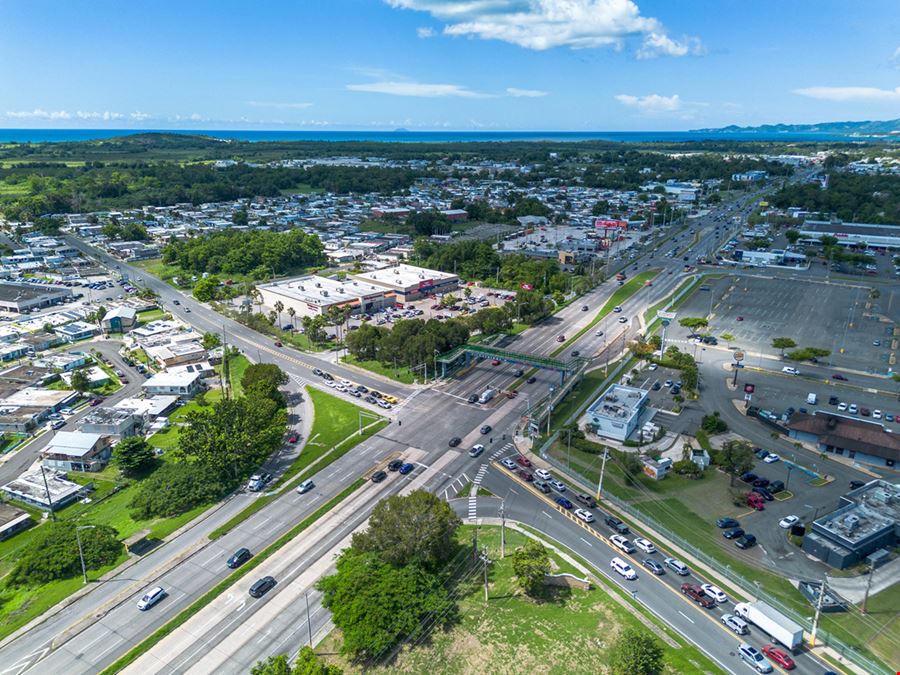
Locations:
(385, 401)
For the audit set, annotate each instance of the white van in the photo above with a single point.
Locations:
(305, 486)
(811, 398)
(486, 396)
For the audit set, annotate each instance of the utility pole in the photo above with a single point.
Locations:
(80, 550)
(475, 543)
(485, 561)
(502, 531)
(602, 470)
(865, 606)
(47, 489)
(815, 625)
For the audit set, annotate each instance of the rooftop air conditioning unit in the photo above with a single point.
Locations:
(318, 285)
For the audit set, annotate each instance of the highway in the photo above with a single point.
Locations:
(192, 565)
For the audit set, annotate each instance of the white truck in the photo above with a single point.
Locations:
(811, 398)
(775, 624)
(486, 395)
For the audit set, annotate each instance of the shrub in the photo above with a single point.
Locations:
(173, 489)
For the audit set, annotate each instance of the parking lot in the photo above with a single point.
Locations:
(858, 330)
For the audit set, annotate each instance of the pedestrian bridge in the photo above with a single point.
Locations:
(481, 351)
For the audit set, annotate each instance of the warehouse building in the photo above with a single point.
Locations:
(852, 234)
(21, 297)
(315, 295)
(408, 282)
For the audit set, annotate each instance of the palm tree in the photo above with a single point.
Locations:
(279, 308)
(307, 323)
(292, 313)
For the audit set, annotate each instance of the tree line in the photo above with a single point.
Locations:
(246, 252)
(850, 197)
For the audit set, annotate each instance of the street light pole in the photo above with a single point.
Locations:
(80, 550)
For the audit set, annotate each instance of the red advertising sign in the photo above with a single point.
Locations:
(610, 224)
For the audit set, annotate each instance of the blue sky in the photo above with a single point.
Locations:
(446, 64)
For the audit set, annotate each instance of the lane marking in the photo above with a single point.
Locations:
(685, 616)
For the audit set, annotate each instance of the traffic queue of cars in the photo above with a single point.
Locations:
(385, 401)
(632, 552)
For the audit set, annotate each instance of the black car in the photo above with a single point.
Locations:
(518, 372)
(379, 476)
(727, 522)
(763, 492)
(395, 464)
(376, 394)
(656, 386)
(856, 484)
(327, 376)
(775, 487)
(746, 541)
(616, 524)
(262, 586)
(832, 400)
(362, 389)
(575, 353)
(748, 477)
(240, 556)
(531, 380)
(761, 482)
(733, 533)
(486, 429)
(473, 398)
(653, 566)
(456, 440)
(370, 399)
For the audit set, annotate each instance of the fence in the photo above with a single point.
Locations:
(822, 635)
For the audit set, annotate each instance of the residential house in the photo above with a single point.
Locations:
(77, 451)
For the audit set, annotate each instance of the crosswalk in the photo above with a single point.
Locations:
(504, 450)
(473, 506)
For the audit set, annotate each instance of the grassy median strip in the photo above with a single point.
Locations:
(147, 644)
(620, 295)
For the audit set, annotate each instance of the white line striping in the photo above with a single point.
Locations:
(547, 514)
(586, 542)
(685, 616)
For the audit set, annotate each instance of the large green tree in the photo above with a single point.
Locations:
(416, 529)
(80, 380)
(636, 652)
(133, 456)
(264, 372)
(273, 665)
(735, 458)
(309, 663)
(530, 563)
(376, 605)
(783, 343)
(175, 487)
(53, 553)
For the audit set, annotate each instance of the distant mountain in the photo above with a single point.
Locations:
(867, 128)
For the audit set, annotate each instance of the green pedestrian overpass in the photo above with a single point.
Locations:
(480, 351)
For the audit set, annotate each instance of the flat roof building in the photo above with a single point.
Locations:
(46, 489)
(315, 295)
(866, 521)
(110, 422)
(13, 520)
(852, 234)
(616, 413)
(18, 297)
(408, 282)
(183, 384)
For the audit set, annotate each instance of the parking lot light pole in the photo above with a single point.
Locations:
(80, 550)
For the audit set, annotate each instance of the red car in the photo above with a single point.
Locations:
(293, 438)
(495, 362)
(523, 461)
(526, 475)
(779, 657)
(740, 318)
(96, 402)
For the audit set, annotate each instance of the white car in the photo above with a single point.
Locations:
(623, 568)
(347, 383)
(559, 486)
(340, 387)
(150, 598)
(736, 624)
(853, 409)
(876, 414)
(645, 545)
(621, 543)
(622, 319)
(543, 474)
(599, 333)
(508, 463)
(842, 406)
(771, 458)
(714, 592)
(617, 309)
(788, 521)
(584, 515)
(790, 370)
(754, 658)
(652, 366)
(330, 383)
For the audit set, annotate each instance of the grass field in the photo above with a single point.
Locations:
(236, 367)
(562, 631)
(17, 190)
(397, 374)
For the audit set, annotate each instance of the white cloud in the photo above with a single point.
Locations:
(526, 93)
(651, 104)
(418, 89)
(841, 94)
(278, 105)
(40, 114)
(425, 32)
(139, 116)
(106, 115)
(544, 24)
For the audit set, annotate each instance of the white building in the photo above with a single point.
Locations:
(408, 282)
(184, 384)
(315, 295)
(616, 413)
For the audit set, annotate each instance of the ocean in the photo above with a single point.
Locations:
(403, 136)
